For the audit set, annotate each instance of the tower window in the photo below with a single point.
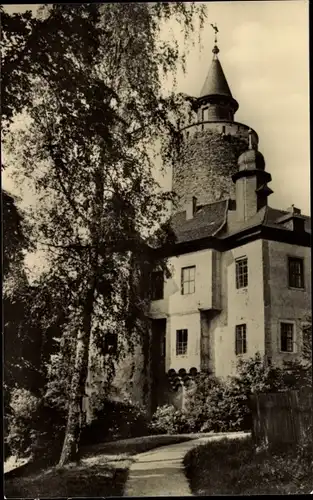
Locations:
(181, 342)
(241, 339)
(157, 285)
(242, 272)
(296, 274)
(110, 343)
(287, 337)
(188, 276)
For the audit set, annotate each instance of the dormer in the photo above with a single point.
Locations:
(293, 220)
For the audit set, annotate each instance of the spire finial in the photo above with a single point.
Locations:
(215, 48)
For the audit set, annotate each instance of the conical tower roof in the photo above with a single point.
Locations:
(215, 82)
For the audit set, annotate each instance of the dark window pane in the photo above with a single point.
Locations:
(296, 276)
(110, 343)
(242, 273)
(286, 337)
(241, 339)
(188, 280)
(157, 285)
(181, 342)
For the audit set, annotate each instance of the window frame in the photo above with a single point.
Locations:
(294, 345)
(183, 282)
(242, 340)
(238, 275)
(301, 260)
(153, 289)
(205, 111)
(181, 345)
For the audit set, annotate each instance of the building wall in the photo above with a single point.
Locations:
(286, 303)
(183, 311)
(242, 306)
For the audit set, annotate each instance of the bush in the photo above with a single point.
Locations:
(168, 420)
(34, 429)
(216, 406)
(232, 467)
(116, 420)
(223, 405)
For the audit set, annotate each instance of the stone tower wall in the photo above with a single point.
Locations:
(207, 161)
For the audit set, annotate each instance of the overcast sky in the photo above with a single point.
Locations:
(264, 51)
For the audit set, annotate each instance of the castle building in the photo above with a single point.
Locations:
(240, 270)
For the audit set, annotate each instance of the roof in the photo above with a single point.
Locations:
(206, 222)
(215, 82)
(216, 220)
(273, 214)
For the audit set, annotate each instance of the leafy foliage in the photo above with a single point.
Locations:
(232, 466)
(35, 429)
(299, 371)
(116, 420)
(169, 420)
(94, 109)
(223, 405)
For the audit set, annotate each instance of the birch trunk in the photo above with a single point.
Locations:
(75, 412)
(76, 417)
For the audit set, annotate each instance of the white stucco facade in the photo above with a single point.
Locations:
(211, 313)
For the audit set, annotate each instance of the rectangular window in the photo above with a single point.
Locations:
(157, 285)
(110, 343)
(287, 337)
(205, 114)
(296, 275)
(242, 272)
(188, 275)
(241, 339)
(181, 342)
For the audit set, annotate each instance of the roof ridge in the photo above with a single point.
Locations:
(215, 233)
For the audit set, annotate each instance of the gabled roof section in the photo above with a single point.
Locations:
(206, 222)
(215, 82)
(217, 221)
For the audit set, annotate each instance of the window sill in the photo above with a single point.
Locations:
(300, 289)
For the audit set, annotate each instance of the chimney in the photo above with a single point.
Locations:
(294, 210)
(191, 207)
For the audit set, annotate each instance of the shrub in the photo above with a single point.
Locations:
(215, 406)
(223, 405)
(35, 429)
(168, 420)
(115, 419)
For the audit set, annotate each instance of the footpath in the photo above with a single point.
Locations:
(160, 472)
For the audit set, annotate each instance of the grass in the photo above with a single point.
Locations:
(101, 472)
(232, 467)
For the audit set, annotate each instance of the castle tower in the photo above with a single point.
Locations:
(213, 141)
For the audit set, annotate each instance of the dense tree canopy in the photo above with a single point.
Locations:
(90, 78)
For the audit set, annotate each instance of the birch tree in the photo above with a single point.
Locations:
(97, 104)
